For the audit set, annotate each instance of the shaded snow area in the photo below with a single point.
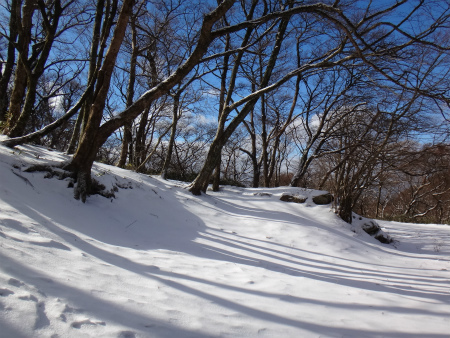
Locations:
(157, 261)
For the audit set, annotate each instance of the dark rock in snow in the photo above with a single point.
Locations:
(373, 229)
(292, 198)
(383, 237)
(323, 199)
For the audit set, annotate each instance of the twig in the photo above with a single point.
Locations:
(131, 224)
(27, 181)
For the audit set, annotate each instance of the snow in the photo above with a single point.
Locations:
(157, 261)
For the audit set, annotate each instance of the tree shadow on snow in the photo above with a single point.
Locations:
(183, 231)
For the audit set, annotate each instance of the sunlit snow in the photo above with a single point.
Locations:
(157, 261)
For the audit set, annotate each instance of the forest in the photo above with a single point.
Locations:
(350, 96)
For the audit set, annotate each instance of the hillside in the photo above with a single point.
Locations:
(157, 261)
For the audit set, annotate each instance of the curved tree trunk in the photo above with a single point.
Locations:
(94, 136)
(90, 141)
(38, 62)
(20, 124)
(17, 96)
(22, 72)
(200, 184)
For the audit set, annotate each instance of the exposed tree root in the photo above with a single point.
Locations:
(82, 183)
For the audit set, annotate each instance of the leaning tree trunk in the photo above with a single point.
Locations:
(17, 95)
(93, 57)
(21, 74)
(200, 184)
(90, 141)
(34, 73)
(19, 126)
(95, 137)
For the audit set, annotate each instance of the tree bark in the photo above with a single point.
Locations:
(345, 209)
(175, 114)
(93, 60)
(21, 75)
(33, 74)
(264, 155)
(223, 93)
(7, 70)
(127, 135)
(140, 150)
(90, 142)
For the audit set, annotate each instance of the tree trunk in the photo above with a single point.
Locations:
(20, 78)
(175, 114)
(90, 141)
(19, 126)
(273, 160)
(301, 171)
(200, 183)
(33, 75)
(75, 135)
(127, 135)
(140, 155)
(7, 70)
(91, 75)
(223, 93)
(95, 137)
(17, 95)
(345, 209)
(264, 155)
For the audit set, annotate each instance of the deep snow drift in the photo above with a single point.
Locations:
(159, 262)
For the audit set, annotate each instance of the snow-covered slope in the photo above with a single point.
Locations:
(159, 262)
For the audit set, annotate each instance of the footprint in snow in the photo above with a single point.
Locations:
(69, 309)
(42, 319)
(80, 323)
(29, 298)
(5, 292)
(15, 282)
(16, 225)
(126, 334)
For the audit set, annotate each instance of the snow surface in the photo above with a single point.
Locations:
(160, 262)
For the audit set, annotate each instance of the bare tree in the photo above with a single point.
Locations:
(337, 36)
(84, 158)
(33, 58)
(223, 134)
